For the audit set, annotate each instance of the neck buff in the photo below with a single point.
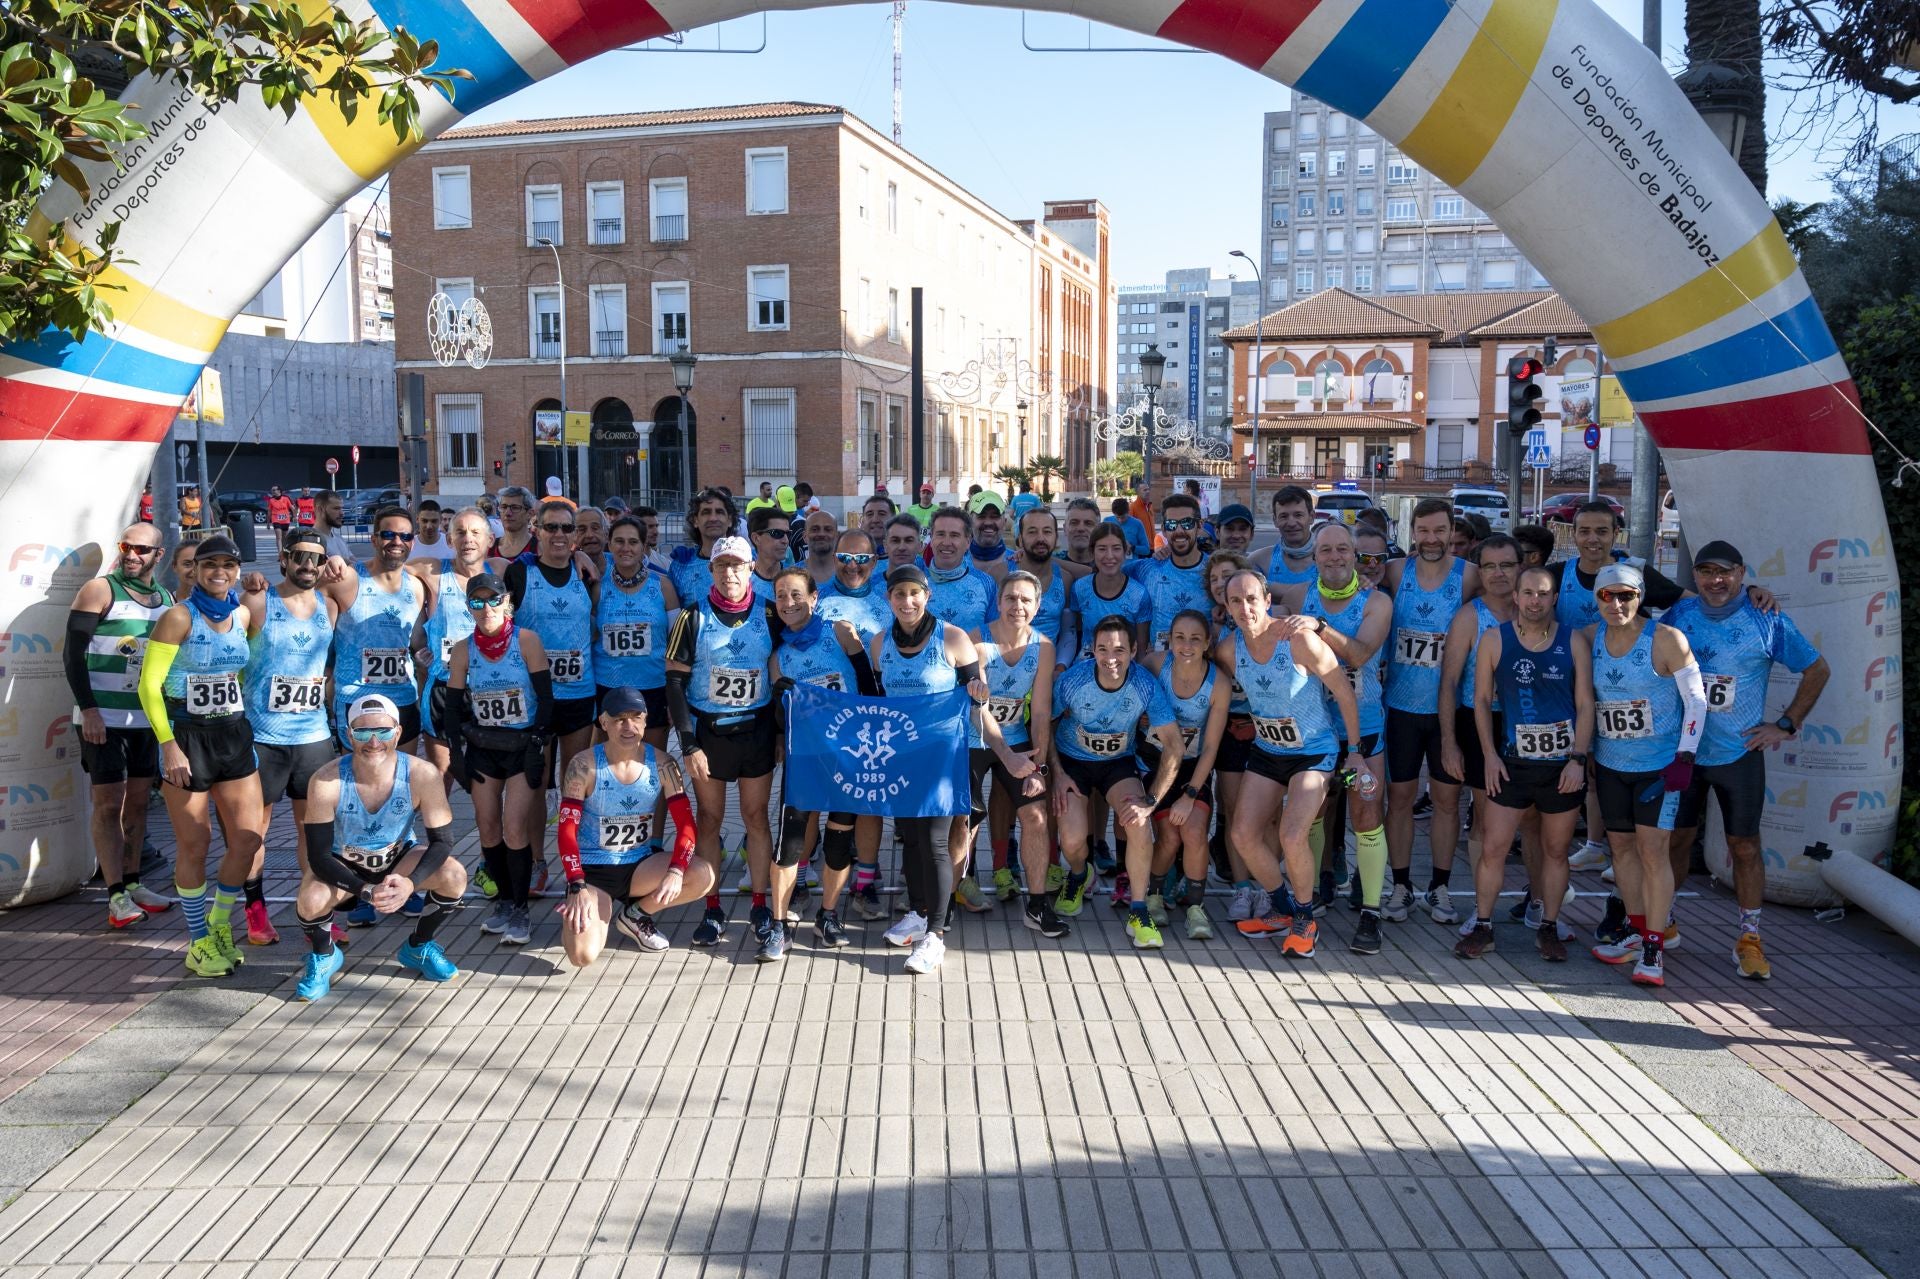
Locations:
(1346, 592)
(989, 553)
(724, 605)
(134, 584)
(494, 647)
(953, 574)
(841, 588)
(1300, 554)
(905, 639)
(1726, 610)
(807, 635)
(215, 608)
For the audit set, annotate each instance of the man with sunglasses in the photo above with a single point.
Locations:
(378, 604)
(289, 638)
(1372, 552)
(365, 847)
(767, 534)
(1737, 646)
(1178, 582)
(107, 629)
(848, 596)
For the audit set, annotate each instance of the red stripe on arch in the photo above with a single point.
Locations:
(1822, 419)
(27, 407)
(579, 29)
(1248, 31)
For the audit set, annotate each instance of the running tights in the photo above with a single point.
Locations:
(928, 869)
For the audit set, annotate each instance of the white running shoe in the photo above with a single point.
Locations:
(908, 929)
(1241, 907)
(1468, 924)
(1607, 874)
(1399, 904)
(1439, 904)
(1536, 914)
(148, 900)
(927, 954)
(1592, 856)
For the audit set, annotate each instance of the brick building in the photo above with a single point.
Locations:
(1417, 382)
(778, 244)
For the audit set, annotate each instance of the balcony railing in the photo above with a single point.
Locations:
(609, 230)
(538, 231)
(546, 348)
(668, 341)
(610, 342)
(669, 227)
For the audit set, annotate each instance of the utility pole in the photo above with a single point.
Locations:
(1643, 498)
(899, 21)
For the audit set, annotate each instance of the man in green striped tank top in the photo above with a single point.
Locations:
(107, 631)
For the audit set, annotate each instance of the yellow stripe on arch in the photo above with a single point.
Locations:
(141, 306)
(1760, 264)
(363, 144)
(1483, 92)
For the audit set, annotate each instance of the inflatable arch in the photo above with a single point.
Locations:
(1545, 113)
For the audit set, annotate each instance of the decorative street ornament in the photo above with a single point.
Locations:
(1170, 436)
(999, 368)
(459, 332)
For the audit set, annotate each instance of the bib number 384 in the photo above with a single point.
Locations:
(502, 708)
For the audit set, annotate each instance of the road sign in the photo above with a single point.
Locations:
(356, 455)
(333, 466)
(1593, 437)
(1536, 439)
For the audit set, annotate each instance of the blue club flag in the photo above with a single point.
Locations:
(879, 756)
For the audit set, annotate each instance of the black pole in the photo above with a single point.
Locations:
(917, 447)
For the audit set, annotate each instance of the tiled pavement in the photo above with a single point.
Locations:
(1035, 1110)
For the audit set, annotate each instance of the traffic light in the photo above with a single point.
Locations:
(498, 468)
(513, 452)
(1379, 468)
(1524, 393)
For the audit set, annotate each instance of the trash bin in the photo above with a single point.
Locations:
(241, 531)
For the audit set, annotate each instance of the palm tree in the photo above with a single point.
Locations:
(1043, 467)
(1013, 477)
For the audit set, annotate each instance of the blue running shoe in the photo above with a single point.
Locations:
(428, 960)
(416, 904)
(773, 945)
(1103, 861)
(317, 981)
(712, 929)
(363, 916)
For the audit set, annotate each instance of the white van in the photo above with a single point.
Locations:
(1491, 503)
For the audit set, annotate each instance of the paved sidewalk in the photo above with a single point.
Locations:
(1036, 1109)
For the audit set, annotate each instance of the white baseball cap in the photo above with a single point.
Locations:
(735, 548)
(373, 704)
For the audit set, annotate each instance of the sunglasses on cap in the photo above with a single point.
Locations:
(374, 734)
(136, 548)
(855, 558)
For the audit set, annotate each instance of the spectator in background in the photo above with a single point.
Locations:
(190, 508)
(766, 498)
(922, 511)
(1022, 502)
(1137, 540)
(1142, 506)
(649, 521)
(146, 503)
(428, 540)
(279, 516)
(1536, 544)
(331, 523)
(803, 502)
(1195, 492)
(305, 509)
(181, 568)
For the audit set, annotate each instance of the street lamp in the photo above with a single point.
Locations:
(561, 285)
(1723, 95)
(683, 361)
(1253, 396)
(1153, 370)
(1020, 407)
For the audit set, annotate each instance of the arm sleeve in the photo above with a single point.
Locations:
(571, 811)
(153, 679)
(542, 699)
(683, 833)
(864, 676)
(1693, 697)
(327, 868)
(439, 849)
(678, 709)
(80, 629)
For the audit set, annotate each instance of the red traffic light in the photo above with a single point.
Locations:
(1521, 367)
(497, 468)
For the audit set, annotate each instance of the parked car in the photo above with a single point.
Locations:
(1491, 503)
(1560, 508)
(249, 503)
(1669, 518)
(1342, 502)
(358, 505)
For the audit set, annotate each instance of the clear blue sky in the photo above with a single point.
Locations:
(1017, 127)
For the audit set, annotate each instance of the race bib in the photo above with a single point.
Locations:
(624, 834)
(627, 639)
(1191, 738)
(1283, 733)
(214, 694)
(567, 665)
(375, 861)
(385, 666)
(733, 686)
(288, 695)
(1623, 720)
(1007, 710)
(1418, 648)
(1720, 690)
(446, 649)
(499, 708)
(1543, 741)
(1104, 745)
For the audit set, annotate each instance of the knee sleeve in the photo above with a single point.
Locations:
(839, 847)
(793, 837)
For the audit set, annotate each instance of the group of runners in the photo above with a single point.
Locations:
(1229, 721)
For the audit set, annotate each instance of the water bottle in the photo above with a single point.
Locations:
(1369, 785)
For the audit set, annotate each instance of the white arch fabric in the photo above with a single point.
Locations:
(1543, 112)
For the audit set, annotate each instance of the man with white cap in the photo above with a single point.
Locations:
(366, 846)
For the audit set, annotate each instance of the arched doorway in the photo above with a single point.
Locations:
(612, 464)
(670, 466)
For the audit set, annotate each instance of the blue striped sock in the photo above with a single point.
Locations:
(193, 905)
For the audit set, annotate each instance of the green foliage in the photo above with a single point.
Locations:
(1045, 468)
(1117, 474)
(1863, 247)
(1903, 859)
(54, 118)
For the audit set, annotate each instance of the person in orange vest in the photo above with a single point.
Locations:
(279, 515)
(190, 509)
(304, 508)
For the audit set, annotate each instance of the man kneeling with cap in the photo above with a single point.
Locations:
(368, 849)
(606, 838)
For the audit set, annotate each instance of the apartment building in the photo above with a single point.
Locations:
(1185, 316)
(776, 243)
(1342, 208)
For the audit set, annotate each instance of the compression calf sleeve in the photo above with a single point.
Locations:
(1373, 865)
(193, 909)
(431, 917)
(1317, 842)
(319, 933)
(256, 890)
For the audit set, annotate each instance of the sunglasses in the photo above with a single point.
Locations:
(393, 535)
(135, 548)
(1616, 597)
(482, 605)
(557, 529)
(515, 506)
(1184, 525)
(857, 560)
(1500, 566)
(374, 734)
(306, 559)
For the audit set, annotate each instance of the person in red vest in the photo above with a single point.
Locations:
(146, 503)
(305, 508)
(279, 515)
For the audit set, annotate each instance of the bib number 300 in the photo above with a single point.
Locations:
(1282, 733)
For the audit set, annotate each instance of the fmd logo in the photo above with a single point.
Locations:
(1879, 602)
(37, 555)
(1855, 801)
(1881, 668)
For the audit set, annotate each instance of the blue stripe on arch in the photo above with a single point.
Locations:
(1793, 339)
(1361, 64)
(464, 43)
(108, 359)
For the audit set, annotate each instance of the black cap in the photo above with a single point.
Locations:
(217, 547)
(485, 584)
(1718, 553)
(1233, 511)
(623, 701)
(906, 573)
(296, 535)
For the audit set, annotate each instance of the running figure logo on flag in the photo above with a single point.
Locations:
(879, 756)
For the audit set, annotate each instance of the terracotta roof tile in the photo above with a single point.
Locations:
(1447, 318)
(1336, 313)
(1549, 317)
(642, 119)
(1456, 314)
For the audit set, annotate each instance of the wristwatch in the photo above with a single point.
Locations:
(1786, 725)
(1190, 791)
